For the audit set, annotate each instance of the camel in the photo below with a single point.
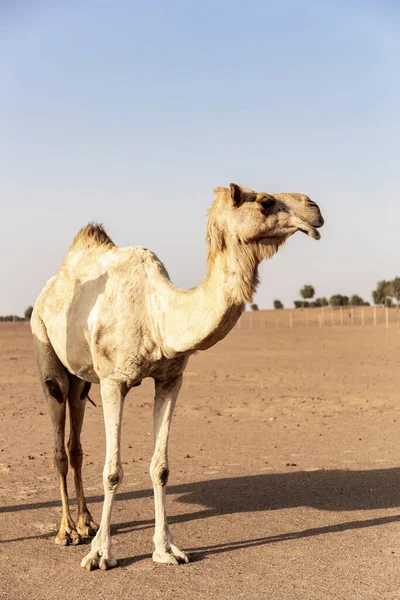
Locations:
(112, 316)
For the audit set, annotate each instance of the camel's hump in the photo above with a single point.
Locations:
(93, 234)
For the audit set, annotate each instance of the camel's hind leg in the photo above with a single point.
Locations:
(77, 395)
(55, 383)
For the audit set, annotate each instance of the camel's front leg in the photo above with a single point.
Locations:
(113, 398)
(165, 398)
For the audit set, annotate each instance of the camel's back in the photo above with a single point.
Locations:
(93, 254)
(95, 264)
(99, 287)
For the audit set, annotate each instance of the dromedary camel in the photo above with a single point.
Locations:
(112, 316)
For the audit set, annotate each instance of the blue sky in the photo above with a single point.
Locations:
(130, 113)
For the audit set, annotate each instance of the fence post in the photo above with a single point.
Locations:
(332, 316)
(290, 321)
(306, 317)
(387, 317)
(352, 315)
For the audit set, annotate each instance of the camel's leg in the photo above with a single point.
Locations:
(77, 402)
(55, 385)
(166, 394)
(112, 395)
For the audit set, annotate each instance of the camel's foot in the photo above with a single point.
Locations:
(68, 535)
(95, 560)
(171, 556)
(99, 556)
(86, 526)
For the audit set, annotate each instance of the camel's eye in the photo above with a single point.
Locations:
(267, 205)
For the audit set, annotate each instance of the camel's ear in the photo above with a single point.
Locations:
(240, 195)
(236, 194)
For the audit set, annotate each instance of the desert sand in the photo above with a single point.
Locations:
(285, 472)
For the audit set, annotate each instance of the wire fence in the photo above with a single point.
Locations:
(343, 316)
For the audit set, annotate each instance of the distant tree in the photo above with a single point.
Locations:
(307, 292)
(278, 305)
(379, 295)
(320, 302)
(28, 313)
(301, 304)
(9, 318)
(396, 289)
(335, 300)
(254, 306)
(356, 300)
(389, 291)
(339, 300)
(375, 297)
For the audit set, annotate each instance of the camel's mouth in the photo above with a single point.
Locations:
(310, 231)
(308, 228)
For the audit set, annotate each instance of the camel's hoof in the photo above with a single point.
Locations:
(173, 557)
(68, 538)
(107, 564)
(93, 560)
(86, 526)
(180, 554)
(90, 565)
(88, 529)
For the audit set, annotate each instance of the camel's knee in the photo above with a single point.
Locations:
(113, 476)
(159, 474)
(61, 462)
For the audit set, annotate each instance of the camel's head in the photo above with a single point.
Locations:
(258, 220)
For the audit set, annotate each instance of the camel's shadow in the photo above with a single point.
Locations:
(333, 489)
(330, 490)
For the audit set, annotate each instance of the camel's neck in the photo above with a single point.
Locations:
(199, 318)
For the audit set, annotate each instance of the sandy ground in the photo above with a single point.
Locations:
(285, 478)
